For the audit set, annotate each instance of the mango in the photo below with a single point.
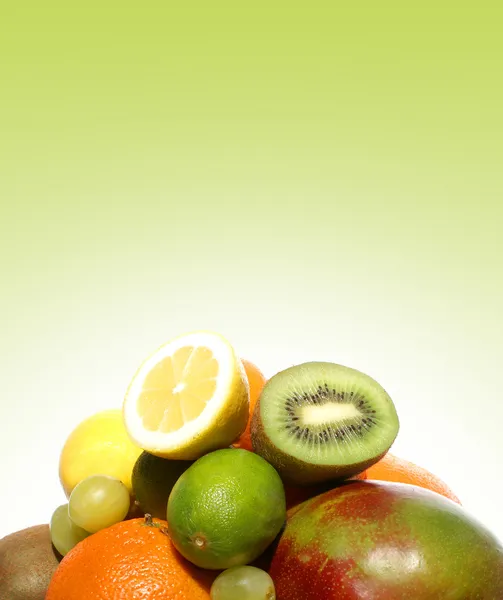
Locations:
(385, 541)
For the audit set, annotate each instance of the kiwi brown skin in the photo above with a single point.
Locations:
(294, 471)
(28, 561)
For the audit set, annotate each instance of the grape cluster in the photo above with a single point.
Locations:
(95, 503)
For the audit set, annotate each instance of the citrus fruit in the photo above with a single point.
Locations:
(390, 468)
(393, 468)
(153, 480)
(226, 509)
(132, 559)
(99, 445)
(189, 397)
(256, 381)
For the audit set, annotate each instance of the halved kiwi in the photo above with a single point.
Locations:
(319, 421)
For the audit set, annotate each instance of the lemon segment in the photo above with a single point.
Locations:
(191, 396)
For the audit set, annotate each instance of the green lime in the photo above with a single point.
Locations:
(226, 509)
(153, 479)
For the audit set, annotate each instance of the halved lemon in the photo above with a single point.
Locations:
(188, 398)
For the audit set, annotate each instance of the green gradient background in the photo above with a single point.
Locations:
(313, 182)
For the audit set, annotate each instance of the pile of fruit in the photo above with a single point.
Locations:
(213, 483)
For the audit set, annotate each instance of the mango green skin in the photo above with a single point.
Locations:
(226, 509)
(385, 541)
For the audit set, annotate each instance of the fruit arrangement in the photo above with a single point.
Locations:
(214, 483)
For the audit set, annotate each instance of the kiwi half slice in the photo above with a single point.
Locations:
(319, 421)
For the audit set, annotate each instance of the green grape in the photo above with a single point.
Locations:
(98, 502)
(245, 583)
(64, 533)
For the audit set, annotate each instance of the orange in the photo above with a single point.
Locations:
(389, 468)
(132, 559)
(256, 380)
(392, 468)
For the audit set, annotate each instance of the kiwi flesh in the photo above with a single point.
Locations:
(320, 421)
(27, 563)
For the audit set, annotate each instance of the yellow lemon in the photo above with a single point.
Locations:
(188, 398)
(99, 445)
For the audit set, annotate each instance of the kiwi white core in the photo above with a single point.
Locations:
(325, 413)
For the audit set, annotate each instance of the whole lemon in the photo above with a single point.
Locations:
(99, 445)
